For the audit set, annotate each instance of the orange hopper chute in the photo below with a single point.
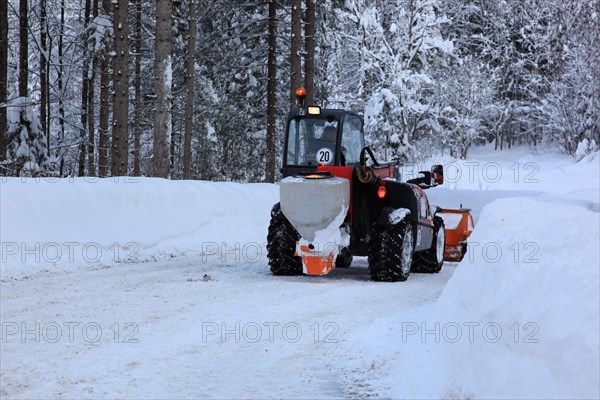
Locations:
(459, 226)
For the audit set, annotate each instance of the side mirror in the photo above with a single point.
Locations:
(437, 174)
(424, 177)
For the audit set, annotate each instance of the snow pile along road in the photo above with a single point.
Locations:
(532, 287)
(51, 225)
(520, 316)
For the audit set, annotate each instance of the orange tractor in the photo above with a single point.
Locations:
(337, 200)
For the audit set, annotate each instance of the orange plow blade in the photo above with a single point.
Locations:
(459, 225)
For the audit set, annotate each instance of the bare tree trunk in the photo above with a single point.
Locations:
(189, 86)
(175, 139)
(44, 71)
(83, 134)
(120, 139)
(296, 43)
(162, 89)
(91, 124)
(138, 88)
(104, 105)
(91, 103)
(61, 104)
(23, 49)
(309, 47)
(3, 77)
(271, 92)
(496, 141)
(48, 91)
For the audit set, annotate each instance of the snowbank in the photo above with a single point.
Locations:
(520, 317)
(52, 225)
(532, 285)
(516, 170)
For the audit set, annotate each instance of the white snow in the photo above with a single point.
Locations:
(87, 223)
(537, 278)
(398, 215)
(451, 221)
(201, 316)
(102, 30)
(210, 132)
(520, 317)
(585, 148)
(332, 237)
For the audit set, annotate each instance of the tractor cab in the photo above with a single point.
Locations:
(325, 137)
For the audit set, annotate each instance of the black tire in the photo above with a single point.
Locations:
(344, 259)
(281, 245)
(463, 251)
(431, 261)
(390, 252)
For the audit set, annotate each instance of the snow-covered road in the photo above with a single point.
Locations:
(133, 288)
(236, 332)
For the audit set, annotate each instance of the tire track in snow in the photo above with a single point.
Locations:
(170, 301)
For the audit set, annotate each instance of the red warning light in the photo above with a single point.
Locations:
(301, 93)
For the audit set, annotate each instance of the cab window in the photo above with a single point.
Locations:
(352, 139)
(311, 141)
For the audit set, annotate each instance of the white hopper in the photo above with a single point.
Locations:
(312, 204)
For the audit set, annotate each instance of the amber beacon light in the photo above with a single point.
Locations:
(301, 93)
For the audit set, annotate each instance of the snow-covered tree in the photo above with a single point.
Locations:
(27, 151)
(385, 59)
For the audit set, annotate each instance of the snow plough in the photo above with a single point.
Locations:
(459, 225)
(337, 201)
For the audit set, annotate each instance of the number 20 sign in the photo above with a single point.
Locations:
(325, 155)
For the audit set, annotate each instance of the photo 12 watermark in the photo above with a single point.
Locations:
(495, 252)
(271, 332)
(249, 252)
(70, 179)
(475, 171)
(68, 332)
(67, 252)
(470, 332)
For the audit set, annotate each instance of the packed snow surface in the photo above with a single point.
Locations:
(144, 288)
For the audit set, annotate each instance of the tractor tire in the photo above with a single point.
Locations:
(431, 261)
(344, 259)
(463, 251)
(390, 252)
(281, 245)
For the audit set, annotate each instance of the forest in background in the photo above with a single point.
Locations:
(200, 90)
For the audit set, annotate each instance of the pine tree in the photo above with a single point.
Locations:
(137, 102)
(163, 70)
(271, 92)
(3, 79)
(189, 86)
(105, 81)
(120, 138)
(309, 48)
(295, 48)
